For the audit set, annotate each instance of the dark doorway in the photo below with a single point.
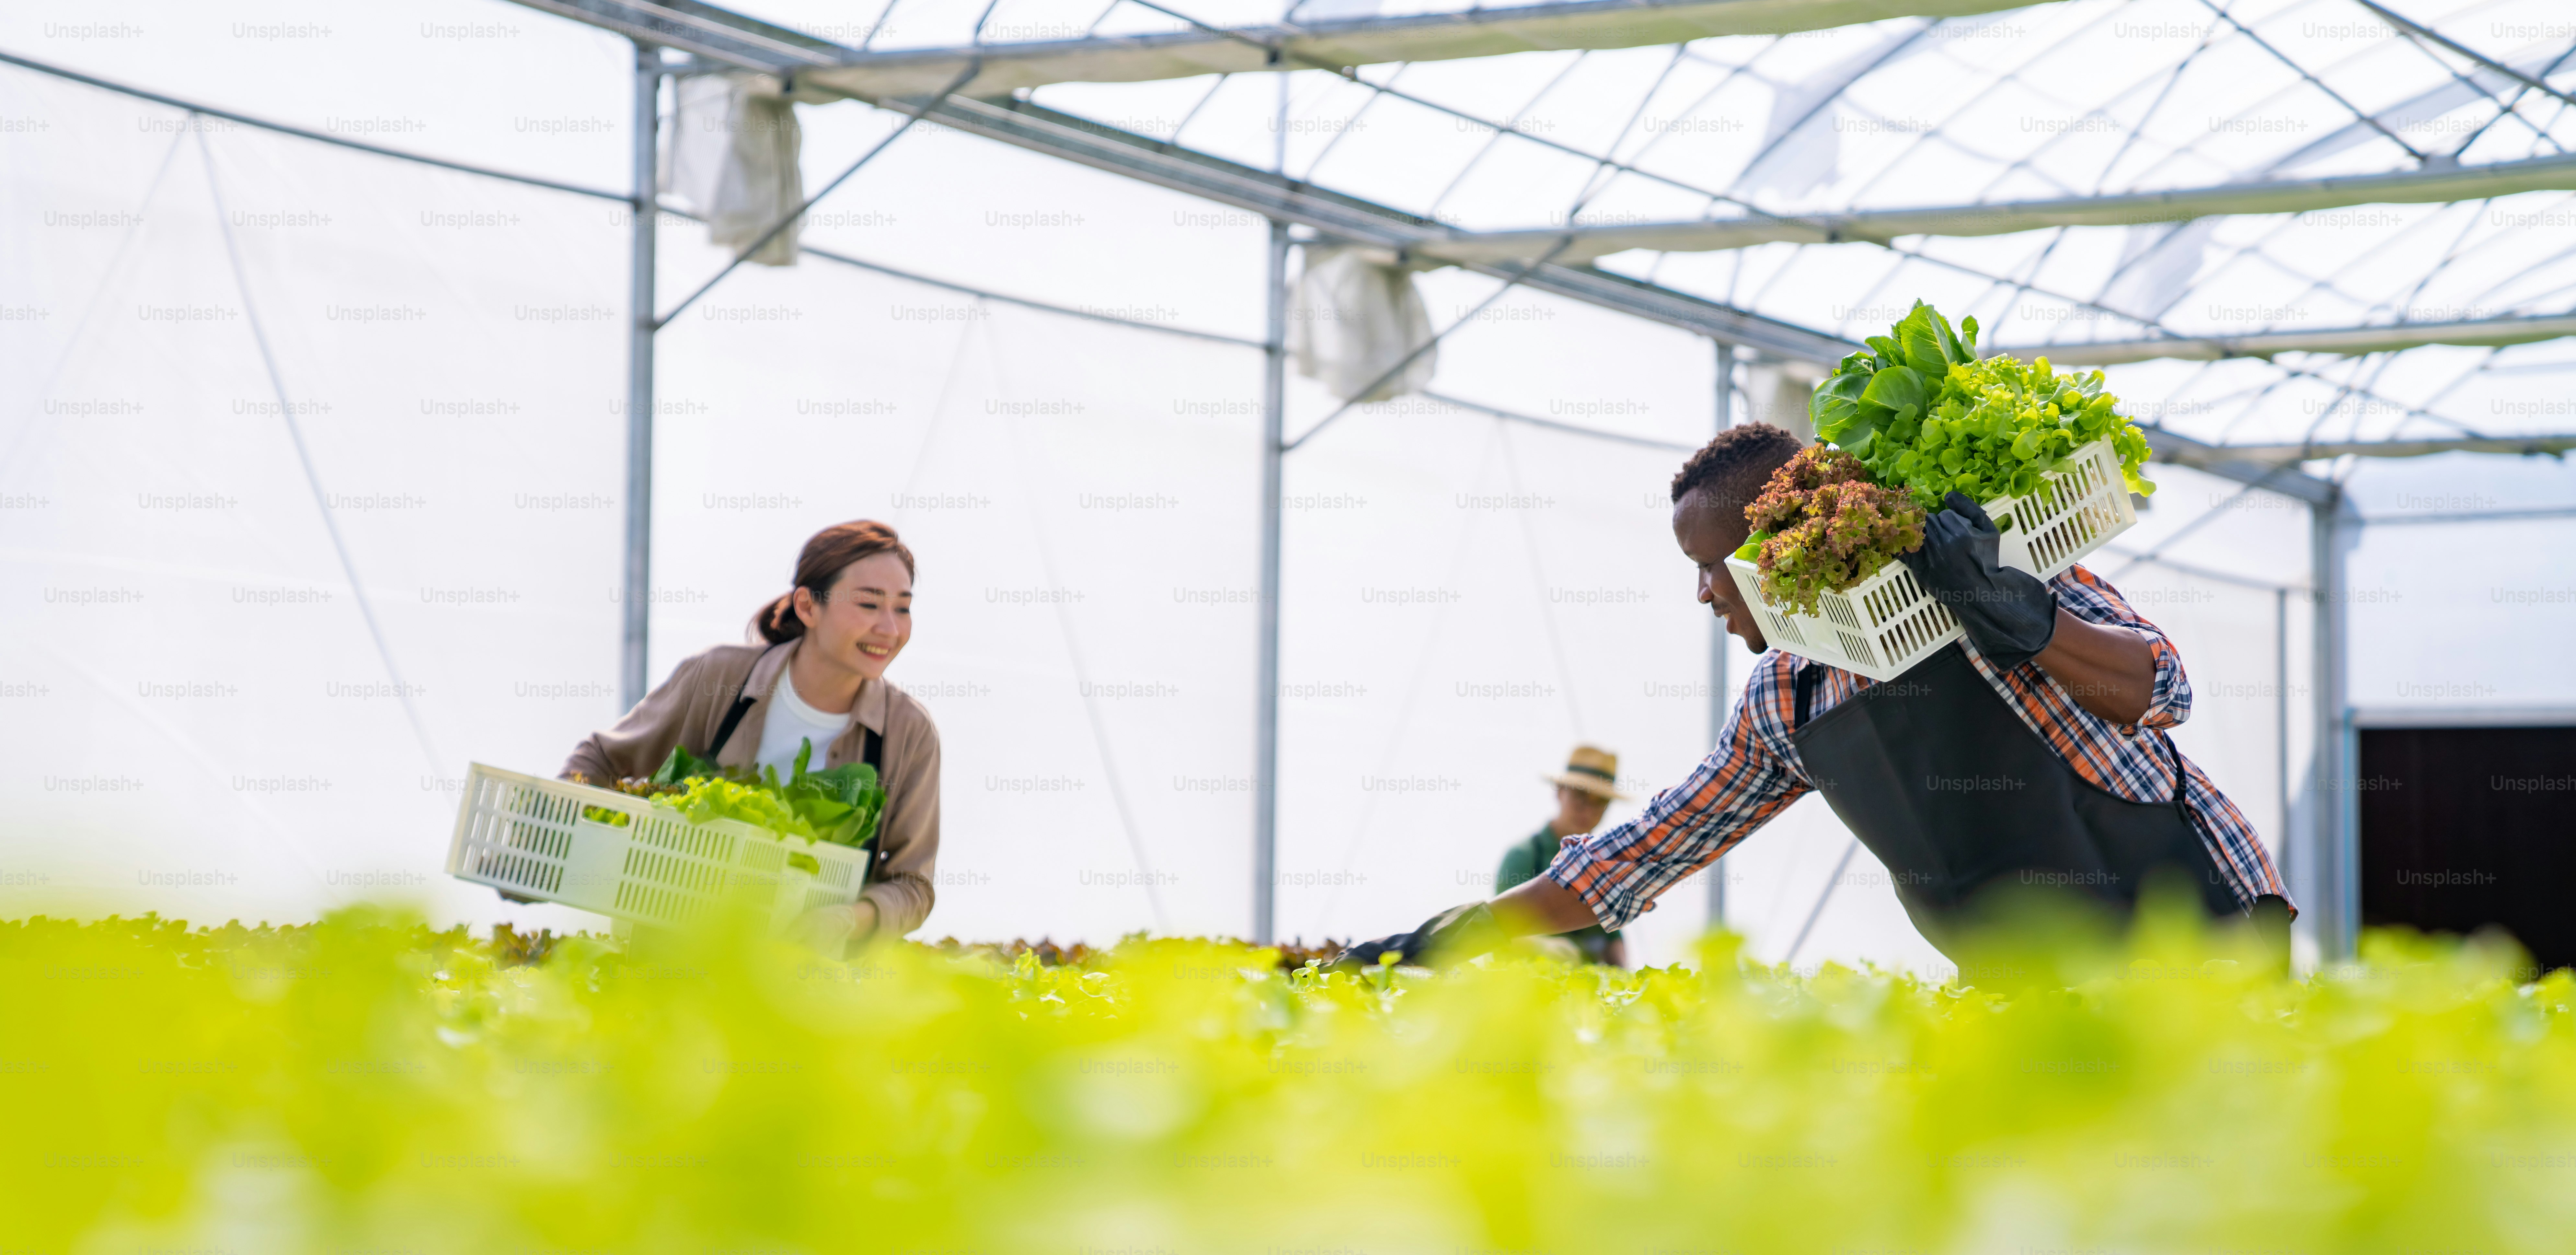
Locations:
(2466, 827)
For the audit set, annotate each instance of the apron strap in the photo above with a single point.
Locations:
(1809, 676)
(742, 702)
(872, 752)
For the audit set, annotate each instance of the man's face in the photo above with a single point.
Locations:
(1578, 812)
(1707, 533)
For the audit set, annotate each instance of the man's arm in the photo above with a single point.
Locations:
(2121, 667)
(2107, 670)
(1611, 877)
(1542, 907)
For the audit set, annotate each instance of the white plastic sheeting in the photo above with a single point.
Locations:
(1355, 324)
(240, 367)
(1465, 597)
(729, 156)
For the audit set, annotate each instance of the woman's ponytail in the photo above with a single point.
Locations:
(776, 622)
(830, 552)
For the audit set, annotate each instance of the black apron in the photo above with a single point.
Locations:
(871, 752)
(1959, 798)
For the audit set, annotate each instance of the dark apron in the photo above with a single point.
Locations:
(871, 752)
(1959, 798)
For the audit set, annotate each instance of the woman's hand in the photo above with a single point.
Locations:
(828, 930)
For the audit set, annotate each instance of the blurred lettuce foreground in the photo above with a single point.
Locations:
(368, 1085)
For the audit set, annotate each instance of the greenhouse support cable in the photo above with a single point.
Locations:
(938, 410)
(1550, 424)
(1886, 54)
(2427, 33)
(300, 133)
(461, 167)
(983, 294)
(2312, 80)
(1546, 610)
(974, 67)
(1349, 124)
(304, 456)
(2201, 572)
(1511, 127)
(1412, 690)
(2156, 551)
(1217, 337)
(1073, 653)
(194, 749)
(882, 16)
(1613, 163)
(1193, 113)
(1817, 911)
(1283, 54)
(72, 342)
(1426, 346)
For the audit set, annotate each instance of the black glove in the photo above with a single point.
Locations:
(2009, 615)
(1459, 933)
(2271, 919)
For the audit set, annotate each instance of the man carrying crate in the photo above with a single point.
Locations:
(2031, 753)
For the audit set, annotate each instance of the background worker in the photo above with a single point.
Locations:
(1584, 790)
(2032, 752)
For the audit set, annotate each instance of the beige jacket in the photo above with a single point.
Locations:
(688, 707)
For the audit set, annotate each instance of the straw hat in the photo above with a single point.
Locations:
(1594, 771)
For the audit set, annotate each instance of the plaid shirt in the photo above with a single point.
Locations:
(1754, 773)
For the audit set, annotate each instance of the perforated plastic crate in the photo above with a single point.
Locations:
(527, 835)
(1888, 622)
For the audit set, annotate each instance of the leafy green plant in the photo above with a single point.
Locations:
(1924, 413)
(366, 1083)
(841, 805)
(1820, 526)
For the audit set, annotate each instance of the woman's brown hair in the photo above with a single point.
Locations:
(830, 552)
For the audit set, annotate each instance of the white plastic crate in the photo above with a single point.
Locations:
(1887, 623)
(527, 835)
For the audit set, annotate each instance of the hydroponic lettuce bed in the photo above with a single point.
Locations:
(366, 1084)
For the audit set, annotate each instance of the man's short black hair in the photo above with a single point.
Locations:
(1735, 466)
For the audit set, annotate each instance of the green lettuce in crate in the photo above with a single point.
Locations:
(1926, 415)
(841, 805)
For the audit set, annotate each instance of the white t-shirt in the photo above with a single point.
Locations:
(790, 723)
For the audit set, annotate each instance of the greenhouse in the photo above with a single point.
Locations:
(1284, 401)
(1283, 406)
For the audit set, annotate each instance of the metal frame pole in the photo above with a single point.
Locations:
(1274, 450)
(1717, 686)
(2332, 878)
(635, 587)
(1265, 751)
(2281, 727)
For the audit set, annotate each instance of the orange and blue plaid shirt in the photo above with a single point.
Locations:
(1754, 773)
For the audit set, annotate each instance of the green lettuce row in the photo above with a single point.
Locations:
(369, 1084)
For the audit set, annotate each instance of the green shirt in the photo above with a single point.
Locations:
(1524, 861)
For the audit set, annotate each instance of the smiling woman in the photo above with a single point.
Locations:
(813, 674)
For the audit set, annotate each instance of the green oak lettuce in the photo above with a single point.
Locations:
(840, 806)
(1926, 415)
